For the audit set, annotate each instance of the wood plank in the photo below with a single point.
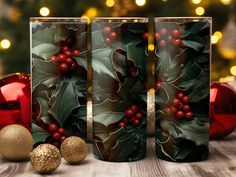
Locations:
(221, 163)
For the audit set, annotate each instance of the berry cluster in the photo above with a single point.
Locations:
(64, 59)
(109, 35)
(132, 117)
(165, 37)
(57, 134)
(180, 107)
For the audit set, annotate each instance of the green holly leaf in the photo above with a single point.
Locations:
(102, 63)
(108, 118)
(44, 72)
(136, 54)
(191, 71)
(119, 58)
(44, 42)
(193, 44)
(66, 100)
(39, 134)
(97, 39)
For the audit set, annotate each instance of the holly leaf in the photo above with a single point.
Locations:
(39, 134)
(66, 100)
(119, 58)
(44, 72)
(108, 118)
(44, 42)
(136, 54)
(102, 63)
(193, 44)
(97, 39)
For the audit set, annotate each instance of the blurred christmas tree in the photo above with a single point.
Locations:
(15, 14)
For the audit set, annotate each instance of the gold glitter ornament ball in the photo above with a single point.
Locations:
(74, 149)
(16, 142)
(45, 158)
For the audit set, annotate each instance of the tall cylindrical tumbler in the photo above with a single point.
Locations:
(182, 78)
(119, 53)
(59, 78)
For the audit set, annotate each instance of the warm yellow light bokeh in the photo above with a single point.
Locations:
(5, 43)
(214, 39)
(218, 34)
(200, 11)
(91, 12)
(110, 3)
(140, 2)
(233, 70)
(226, 2)
(151, 47)
(196, 1)
(88, 19)
(44, 11)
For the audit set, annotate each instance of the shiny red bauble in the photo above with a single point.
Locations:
(15, 104)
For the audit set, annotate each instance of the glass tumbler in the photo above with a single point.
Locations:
(182, 83)
(59, 78)
(119, 53)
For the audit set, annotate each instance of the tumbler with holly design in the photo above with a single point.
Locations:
(182, 80)
(119, 53)
(59, 78)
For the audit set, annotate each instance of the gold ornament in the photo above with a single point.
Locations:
(45, 158)
(16, 142)
(74, 149)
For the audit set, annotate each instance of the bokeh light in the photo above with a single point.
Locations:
(140, 2)
(226, 2)
(196, 1)
(200, 11)
(214, 39)
(233, 70)
(44, 11)
(110, 3)
(5, 43)
(218, 34)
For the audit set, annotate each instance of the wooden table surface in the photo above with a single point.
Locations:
(221, 163)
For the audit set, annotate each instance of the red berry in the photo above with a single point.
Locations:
(61, 131)
(185, 99)
(68, 54)
(107, 41)
(163, 31)
(189, 115)
(129, 112)
(139, 115)
(53, 59)
(75, 52)
(122, 124)
(69, 61)
(136, 122)
(162, 43)
(167, 110)
(113, 35)
(52, 128)
(62, 139)
(157, 36)
(180, 114)
(180, 106)
(176, 33)
(157, 84)
(169, 38)
(180, 96)
(145, 36)
(69, 41)
(125, 120)
(56, 136)
(63, 67)
(65, 49)
(56, 144)
(61, 58)
(106, 30)
(133, 71)
(74, 66)
(134, 107)
(173, 109)
(175, 102)
(186, 108)
(177, 42)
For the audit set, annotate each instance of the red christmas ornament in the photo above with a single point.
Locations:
(223, 110)
(15, 104)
